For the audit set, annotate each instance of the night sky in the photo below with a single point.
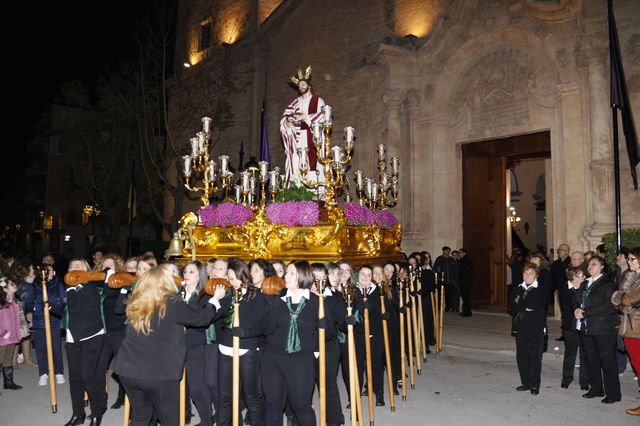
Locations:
(50, 43)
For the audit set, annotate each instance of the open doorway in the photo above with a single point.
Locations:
(499, 174)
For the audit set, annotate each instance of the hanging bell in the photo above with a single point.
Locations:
(175, 246)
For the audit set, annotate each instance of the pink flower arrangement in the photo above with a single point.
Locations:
(385, 219)
(358, 215)
(225, 214)
(292, 213)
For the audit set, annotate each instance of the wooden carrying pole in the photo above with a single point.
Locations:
(441, 318)
(367, 348)
(412, 377)
(322, 359)
(421, 319)
(183, 398)
(387, 354)
(434, 310)
(236, 361)
(47, 333)
(352, 370)
(357, 380)
(403, 360)
(414, 322)
(126, 412)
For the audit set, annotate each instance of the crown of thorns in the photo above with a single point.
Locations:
(300, 76)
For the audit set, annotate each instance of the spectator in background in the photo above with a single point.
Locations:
(577, 260)
(559, 281)
(465, 273)
(443, 267)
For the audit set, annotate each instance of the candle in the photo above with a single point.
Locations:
(245, 181)
(303, 155)
(337, 154)
(317, 130)
(381, 152)
(368, 187)
(384, 181)
(224, 163)
(348, 134)
(194, 146)
(326, 111)
(359, 179)
(200, 136)
(206, 124)
(273, 180)
(211, 170)
(395, 165)
(263, 169)
(252, 184)
(238, 194)
(374, 191)
(186, 165)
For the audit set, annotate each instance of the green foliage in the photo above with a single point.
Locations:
(630, 239)
(295, 193)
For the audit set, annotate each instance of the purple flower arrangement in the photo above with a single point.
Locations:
(358, 215)
(292, 213)
(225, 214)
(385, 219)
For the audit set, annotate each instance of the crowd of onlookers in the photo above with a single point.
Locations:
(600, 311)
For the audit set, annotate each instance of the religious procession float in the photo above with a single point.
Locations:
(306, 213)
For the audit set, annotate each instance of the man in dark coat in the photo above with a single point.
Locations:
(465, 272)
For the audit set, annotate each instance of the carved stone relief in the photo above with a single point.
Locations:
(497, 88)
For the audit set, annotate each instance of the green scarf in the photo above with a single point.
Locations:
(293, 339)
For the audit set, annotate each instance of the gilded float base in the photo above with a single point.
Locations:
(331, 239)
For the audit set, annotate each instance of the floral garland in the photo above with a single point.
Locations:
(363, 216)
(225, 214)
(292, 213)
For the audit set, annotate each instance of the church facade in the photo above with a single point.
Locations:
(426, 78)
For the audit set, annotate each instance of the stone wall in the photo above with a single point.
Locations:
(481, 70)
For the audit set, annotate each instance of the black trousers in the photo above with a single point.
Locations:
(451, 297)
(394, 348)
(344, 363)
(465, 293)
(249, 384)
(377, 364)
(82, 358)
(211, 372)
(601, 362)
(427, 317)
(149, 397)
(291, 377)
(112, 342)
(529, 357)
(334, 407)
(198, 389)
(571, 346)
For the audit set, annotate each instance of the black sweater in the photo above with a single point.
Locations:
(252, 312)
(276, 326)
(532, 320)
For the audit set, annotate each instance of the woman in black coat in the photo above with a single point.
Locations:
(528, 305)
(152, 356)
(597, 322)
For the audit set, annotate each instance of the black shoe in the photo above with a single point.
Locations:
(564, 385)
(428, 350)
(76, 420)
(534, 391)
(560, 339)
(522, 388)
(590, 395)
(96, 420)
(348, 405)
(608, 400)
(118, 404)
(395, 391)
(379, 401)
(365, 392)
(584, 387)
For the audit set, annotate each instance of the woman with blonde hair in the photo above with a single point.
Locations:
(152, 355)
